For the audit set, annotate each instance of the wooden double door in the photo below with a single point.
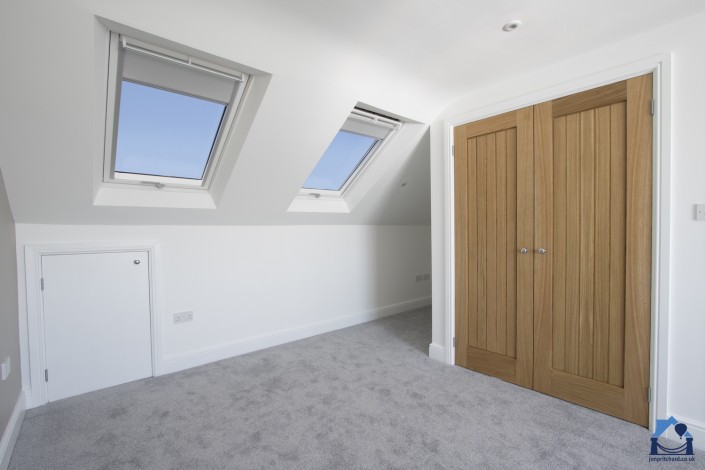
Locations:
(553, 247)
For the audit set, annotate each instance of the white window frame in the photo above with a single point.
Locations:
(356, 123)
(115, 76)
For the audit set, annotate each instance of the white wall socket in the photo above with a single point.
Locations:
(699, 211)
(5, 368)
(182, 317)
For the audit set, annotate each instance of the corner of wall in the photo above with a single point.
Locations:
(10, 388)
(9, 437)
(437, 353)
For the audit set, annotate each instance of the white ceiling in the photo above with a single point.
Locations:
(408, 57)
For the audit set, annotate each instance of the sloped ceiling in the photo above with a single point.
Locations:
(407, 57)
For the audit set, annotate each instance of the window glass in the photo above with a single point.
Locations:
(163, 133)
(340, 160)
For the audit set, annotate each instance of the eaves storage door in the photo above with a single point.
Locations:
(96, 321)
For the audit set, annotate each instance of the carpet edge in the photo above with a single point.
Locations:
(247, 345)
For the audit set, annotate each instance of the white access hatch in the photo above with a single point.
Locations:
(96, 321)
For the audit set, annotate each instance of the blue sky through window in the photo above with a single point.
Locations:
(163, 133)
(339, 161)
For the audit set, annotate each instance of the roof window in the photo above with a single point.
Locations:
(169, 115)
(353, 148)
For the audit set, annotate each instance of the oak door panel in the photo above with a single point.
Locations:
(593, 216)
(494, 217)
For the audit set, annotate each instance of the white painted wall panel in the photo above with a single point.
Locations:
(244, 283)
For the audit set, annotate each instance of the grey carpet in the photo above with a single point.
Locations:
(365, 397)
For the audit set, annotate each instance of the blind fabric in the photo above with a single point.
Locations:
(367, 127)
(163, 73)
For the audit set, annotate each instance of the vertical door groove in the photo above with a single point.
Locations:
(511, 246)
(501, 185)
(491, 253)
(560, 264)
(482, 242)
(618, 190)
(602, 250)
(587, 241)
(471, 172)
(572, 280)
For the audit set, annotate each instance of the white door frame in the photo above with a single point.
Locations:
(660, 66)
(35, 305)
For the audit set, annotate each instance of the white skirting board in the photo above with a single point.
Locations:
(7, 444)
(437, 353)
(696, 428)
(224, 351)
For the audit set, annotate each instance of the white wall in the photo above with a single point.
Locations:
(10, 389)
(683, 177)
(313, 87)
(255, 286)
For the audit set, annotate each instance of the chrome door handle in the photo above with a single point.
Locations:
(541, 251)
(523, 251)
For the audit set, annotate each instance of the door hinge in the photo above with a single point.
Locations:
(452, 150)
(46, 375)
(42, 283)
(653, 107)
(453, 341)
(649, 394)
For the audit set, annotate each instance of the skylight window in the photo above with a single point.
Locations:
(169, 115)
(344, 154)
(353, 148)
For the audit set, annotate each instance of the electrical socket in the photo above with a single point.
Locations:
(699, 211)
(182, 317)
(5, 368)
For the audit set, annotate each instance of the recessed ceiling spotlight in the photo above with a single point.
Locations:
(511, 26)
